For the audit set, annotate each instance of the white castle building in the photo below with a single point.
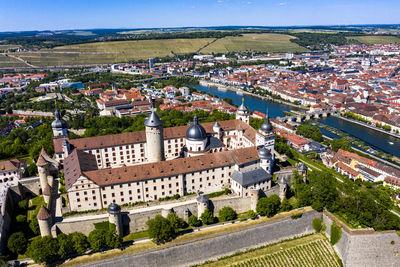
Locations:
(155, 163)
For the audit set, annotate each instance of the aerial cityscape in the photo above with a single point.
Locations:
(200, 133)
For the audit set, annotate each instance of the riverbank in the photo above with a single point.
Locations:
(369, 126)
(235, 89)
(371, 155)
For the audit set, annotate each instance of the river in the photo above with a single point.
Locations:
(375, 139)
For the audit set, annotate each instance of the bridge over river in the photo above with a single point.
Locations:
(308, 115)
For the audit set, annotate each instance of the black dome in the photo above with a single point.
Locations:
(196, 132)
(58, 122)
(266, 126)
(264, 153)
(114, 209)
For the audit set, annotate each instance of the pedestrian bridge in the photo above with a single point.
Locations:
(308, 116)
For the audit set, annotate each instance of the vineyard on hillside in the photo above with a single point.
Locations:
(315, 253)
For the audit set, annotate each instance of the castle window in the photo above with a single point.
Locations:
(122, 193)
(113, 194)
(138, 190)
(104, 196)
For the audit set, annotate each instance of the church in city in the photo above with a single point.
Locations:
(160, 162)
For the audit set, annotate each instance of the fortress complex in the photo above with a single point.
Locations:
(156, 163)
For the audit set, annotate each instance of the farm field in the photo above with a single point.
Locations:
(112, 52)
(268, 42)
(313, 250)
(6, 62)
(124, 51)
(8, 46)
(376, 39)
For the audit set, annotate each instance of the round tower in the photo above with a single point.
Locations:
(282, 188)
(154, 137)
(254, 197)
(303, 171)
(66, 147)
(196, 139)
(114, 217)
(217, 129)
(59, 126)
(202, 205)
(243, 113)
(265, 159)
(47, 193)
(44, 220)
(42, 167)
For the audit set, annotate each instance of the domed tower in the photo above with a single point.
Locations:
(266, 159)
(196, 139)
(243, 113)
(267, 130)
(114, 217)
(59, 126)
(154, 137)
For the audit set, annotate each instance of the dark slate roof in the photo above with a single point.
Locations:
(58, 122)
(282, 181)
(153, 120)
(214, 142)
(264, 153)
(250, 177)
(242, 107)
(114, 209)
(196, 132)
(303, 167)
(266, 126)
(202, 199)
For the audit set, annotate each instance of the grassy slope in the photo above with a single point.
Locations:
(376, 39)
(260, 42)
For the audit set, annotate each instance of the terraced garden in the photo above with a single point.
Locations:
(314, 250)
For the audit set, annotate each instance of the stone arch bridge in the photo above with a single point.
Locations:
(308, 116)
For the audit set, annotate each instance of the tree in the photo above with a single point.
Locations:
(227, 214)
(79, 242)
(317, 224)
(176, 222)
(66, 246)
(336, 233)
(17, 243)
(193, 221)
(21, 218)
(160, 229)
(251, 214)
(43, 249)
(285, 205)
(97, 239)
(268, 206)
(112, 239)
(207, 217)
(34, 226)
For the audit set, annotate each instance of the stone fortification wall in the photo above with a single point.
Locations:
(213, 247)
(365, 247)
(136, 218)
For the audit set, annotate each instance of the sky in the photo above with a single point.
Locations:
(22, 15)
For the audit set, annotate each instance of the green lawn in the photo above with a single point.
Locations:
(34, 206)
(137, 235)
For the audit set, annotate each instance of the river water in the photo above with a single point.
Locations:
(375, 139)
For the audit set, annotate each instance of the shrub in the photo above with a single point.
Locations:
(34, 226)
(160, 229)
(66, 246)
(97, 239)
(296, 215)
(79, 241)
(317, 224)
(21, 218)
(43, 249)
(285, 205)
(227, 214)
(268, 206)
(251, 214)
(176, 222)
(17, 243)
(23, 204)
(317, 205)
(207, 217)
(336, 233)
(193, 221)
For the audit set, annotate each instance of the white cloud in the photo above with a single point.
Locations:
(282, 4)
